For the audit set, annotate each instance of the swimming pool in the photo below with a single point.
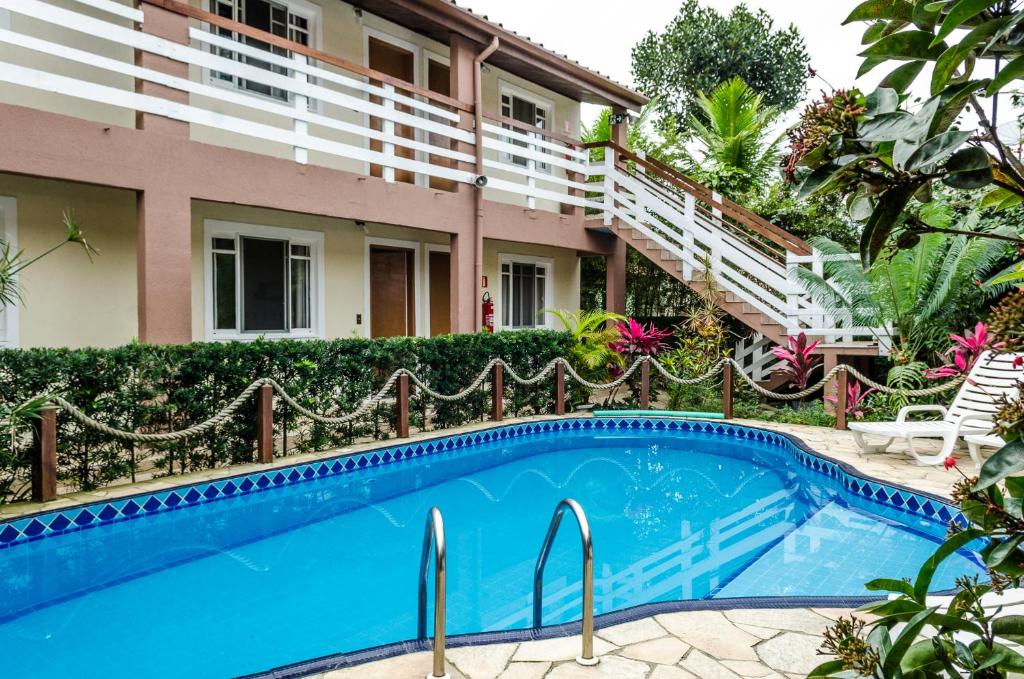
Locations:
(254, 572)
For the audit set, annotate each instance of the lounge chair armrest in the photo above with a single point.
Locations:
(906, 410)
(975, 420)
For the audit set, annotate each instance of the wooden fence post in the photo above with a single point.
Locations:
(559, 388)
(645, 385)
(727, 390)
(498, 393)
(44, 456)
(403, 406)
(841, 397)
(265, 424)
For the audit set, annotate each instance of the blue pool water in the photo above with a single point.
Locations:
(329, 564)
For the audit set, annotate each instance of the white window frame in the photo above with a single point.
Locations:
(418, 282)
(9, 337)
(507, 89)
(545, 321)
(307, 10)
(222, 229)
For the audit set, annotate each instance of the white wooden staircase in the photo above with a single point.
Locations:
(683, 227)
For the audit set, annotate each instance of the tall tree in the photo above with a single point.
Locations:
(701, 48)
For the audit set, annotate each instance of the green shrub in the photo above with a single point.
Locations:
(163, 388)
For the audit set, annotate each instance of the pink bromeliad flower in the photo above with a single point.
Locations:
(799, 359)
(855, 396)
(966, 351)
(636, 339)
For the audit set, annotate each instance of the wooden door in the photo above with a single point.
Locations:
(440, 293)
(439, 80)
(400, 63)
(392, 292)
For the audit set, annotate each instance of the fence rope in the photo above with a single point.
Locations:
(368, 403)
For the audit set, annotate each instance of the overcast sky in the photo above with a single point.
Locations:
(601, 33)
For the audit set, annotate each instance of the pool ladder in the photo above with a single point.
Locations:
(587, 656)
(433, 536)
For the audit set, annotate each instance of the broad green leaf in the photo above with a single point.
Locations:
(903, 76)
(874, 32)
(969, 168)
(1010, 72)
(920, 655)
(881, 9)
(903, 642)
(1013, 277)
(925, 18)
(906, 45)
(949, 62)
(902, 152)
(1006, 461)
(890, 585)
(938, 214)
(882, 100)
(937, 149)
(924, 576)
(952, 101)
(1009, 627)
(860, 205)
(826, 670)
(1012, 661)
(882, 221)
(868, 64)
(1002, 551)
(819, 180)
(887, 127)
(960, 13)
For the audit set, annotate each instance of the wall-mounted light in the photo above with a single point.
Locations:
(361, 225)
(480, 181)
(618, 118)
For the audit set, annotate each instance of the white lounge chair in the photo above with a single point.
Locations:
(991, 378)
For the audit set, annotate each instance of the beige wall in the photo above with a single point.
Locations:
(68, 300)
(565, 278)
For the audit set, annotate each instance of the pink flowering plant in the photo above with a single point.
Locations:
(799, 359)
(636, 340)
(856, 399)
(964, 353)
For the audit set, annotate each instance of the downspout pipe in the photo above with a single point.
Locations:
(478, 126)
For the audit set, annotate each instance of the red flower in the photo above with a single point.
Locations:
(949, 462)
(1018, 362)
(798, 359)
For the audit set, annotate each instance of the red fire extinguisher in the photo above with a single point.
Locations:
(487, 308)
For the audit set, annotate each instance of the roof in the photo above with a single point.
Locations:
(517, 54)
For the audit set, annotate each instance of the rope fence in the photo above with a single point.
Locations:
(44, 450)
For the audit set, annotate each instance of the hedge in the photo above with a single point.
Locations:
(161, 388)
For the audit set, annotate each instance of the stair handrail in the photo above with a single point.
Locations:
(434, 536)
(587, 656)
(748, 219)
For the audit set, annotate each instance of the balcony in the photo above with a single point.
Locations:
(237, 86)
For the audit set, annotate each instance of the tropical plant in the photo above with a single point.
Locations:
(966, 351)
(798, 359)
(884, 155)
(736, 151)
(808, 217)
(917, 292)
(701, 48)
(856, 399)
(590, 353)
(636, 339)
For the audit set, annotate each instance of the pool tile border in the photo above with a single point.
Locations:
(52, 523)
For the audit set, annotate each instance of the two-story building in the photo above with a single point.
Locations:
(290, 168)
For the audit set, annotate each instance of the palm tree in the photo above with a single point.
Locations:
(658, 141)
(916, 292)
(735, 150)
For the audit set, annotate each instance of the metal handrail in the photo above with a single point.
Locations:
(434, 536)
(587, 657)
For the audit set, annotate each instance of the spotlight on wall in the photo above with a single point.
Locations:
(361, 225)
(618, 118)
(480, 181)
